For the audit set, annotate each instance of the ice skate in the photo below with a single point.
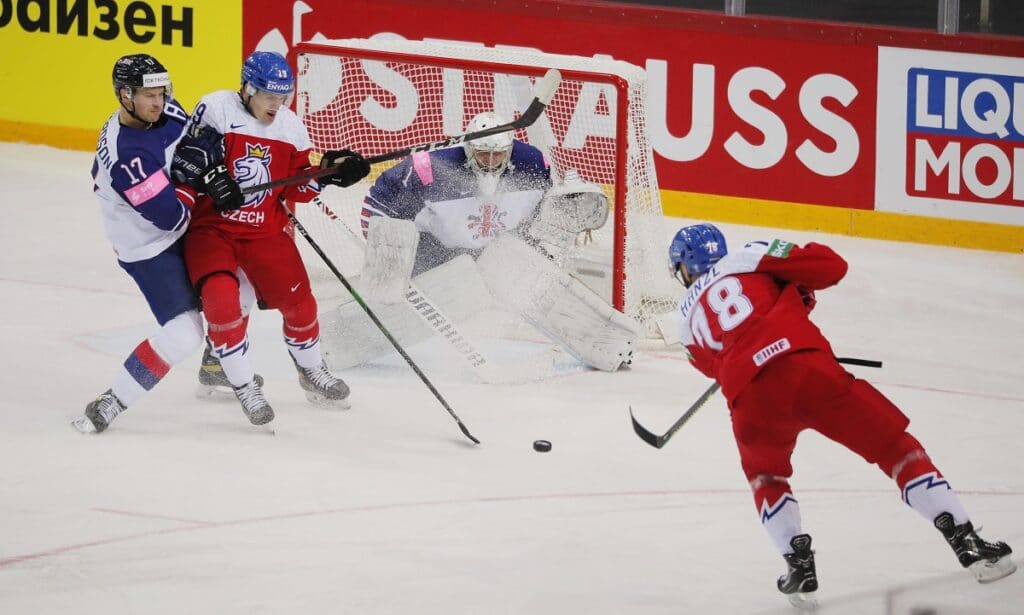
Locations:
(212, 381)
(99, 413)
(801, 582)
(322, 387)
(987, 561)
(254, 403)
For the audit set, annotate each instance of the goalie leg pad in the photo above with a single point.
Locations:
(348, 337)
(390, 254)
(560, 306)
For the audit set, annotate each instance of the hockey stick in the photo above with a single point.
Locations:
(543, 92)
(659, 441)
(380, 325)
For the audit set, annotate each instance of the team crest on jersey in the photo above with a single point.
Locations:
(489, 223)
(253, 169)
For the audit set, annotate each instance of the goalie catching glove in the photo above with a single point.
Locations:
(351, 167)
(568, 209)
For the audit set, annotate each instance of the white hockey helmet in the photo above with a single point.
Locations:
(489, 155)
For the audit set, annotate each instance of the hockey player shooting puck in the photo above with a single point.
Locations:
(541, 446)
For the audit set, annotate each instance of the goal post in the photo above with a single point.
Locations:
(379, 95)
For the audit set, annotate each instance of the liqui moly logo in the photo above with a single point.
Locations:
(965, 136)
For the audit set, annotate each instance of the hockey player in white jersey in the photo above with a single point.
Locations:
(491, 200)
(461, 198)
(145, 221)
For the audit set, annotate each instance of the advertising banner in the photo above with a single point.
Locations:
(58, 56)
(729, 113)
(950, 135)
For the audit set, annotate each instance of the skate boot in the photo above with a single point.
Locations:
(801, 582)
(987, 561)
(254, 403)
(212, 381)
(99, 413)
(322, 387)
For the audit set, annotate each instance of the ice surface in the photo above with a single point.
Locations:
(183, 507)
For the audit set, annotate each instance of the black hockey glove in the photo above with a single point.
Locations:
(200, 149)
(351, 167)
(222, 188)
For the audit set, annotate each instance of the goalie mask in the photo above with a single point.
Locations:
(695, 249)
(489, 155)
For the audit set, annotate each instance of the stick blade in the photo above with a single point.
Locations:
(465, 432)
(646, 436)
(544, 89)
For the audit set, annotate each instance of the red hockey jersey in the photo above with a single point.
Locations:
(255, 153)
(748, 309)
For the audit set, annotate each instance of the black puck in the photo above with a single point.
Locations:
(541, 446)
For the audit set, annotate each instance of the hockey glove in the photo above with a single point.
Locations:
(200, 149)
(807, 296)
(351, 167)
(222, 188)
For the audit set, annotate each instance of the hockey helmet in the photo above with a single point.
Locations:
(267, 71)
(140, 70)
(696, 248)
(489, 155)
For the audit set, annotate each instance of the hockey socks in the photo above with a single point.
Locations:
(778, 509)
(141, 371)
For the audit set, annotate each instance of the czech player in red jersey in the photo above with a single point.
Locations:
(744, 321)
(240, 138)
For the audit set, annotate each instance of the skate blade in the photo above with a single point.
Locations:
(987, 572)
(805, 601)
(83, 425)
(214, 392)
(319, 400)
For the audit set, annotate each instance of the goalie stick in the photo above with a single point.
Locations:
(543, 92)
(659, 441)
(366, 308)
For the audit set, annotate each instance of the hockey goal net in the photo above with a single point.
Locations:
(380, 95)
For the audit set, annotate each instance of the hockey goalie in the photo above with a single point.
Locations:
(480, 226)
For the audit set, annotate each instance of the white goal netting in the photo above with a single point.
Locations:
(376, 96)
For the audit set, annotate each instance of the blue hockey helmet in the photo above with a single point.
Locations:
(696, 248)
(268, 71)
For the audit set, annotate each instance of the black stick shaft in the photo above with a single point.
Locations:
(659, 441)
(544, 91)
(380, 325)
